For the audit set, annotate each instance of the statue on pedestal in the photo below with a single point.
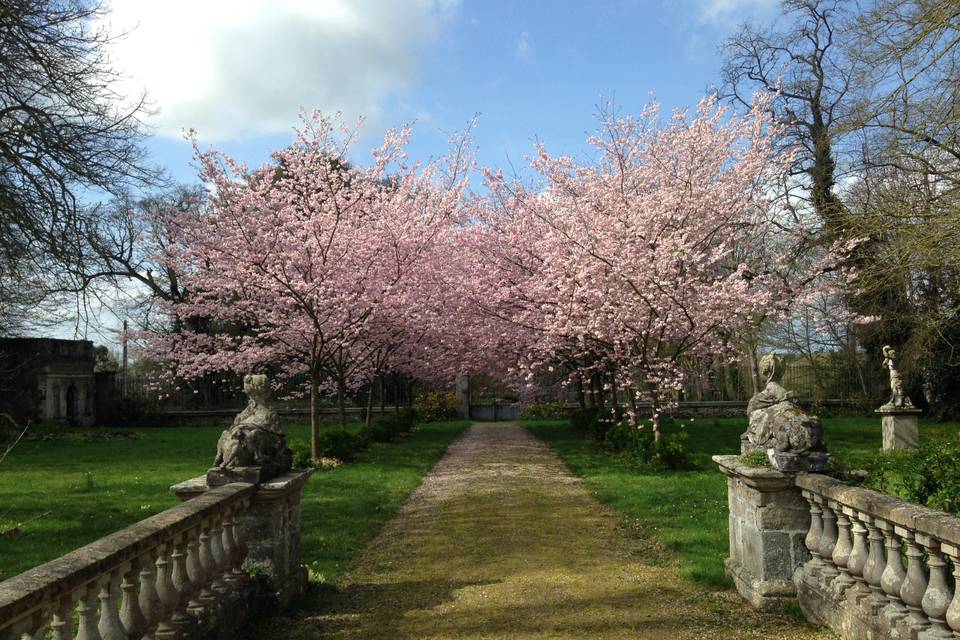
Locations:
(254, 448)
(791, 437)
(897, 397)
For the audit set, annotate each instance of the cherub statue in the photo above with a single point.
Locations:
(897, 397)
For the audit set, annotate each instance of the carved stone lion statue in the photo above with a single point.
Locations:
(777, 424)
(254, 448)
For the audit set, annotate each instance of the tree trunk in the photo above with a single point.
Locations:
(314, 416)
(617, 413)
(581, 398)
(370, 404)
(381, 383)
(342, 402)
(599, 393)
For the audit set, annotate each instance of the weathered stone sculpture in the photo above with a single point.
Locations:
(898, 417)
(255, 448)
(791, 437)
(897, 397)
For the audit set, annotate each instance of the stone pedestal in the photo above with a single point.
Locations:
(900, 427)
(769, 520)
(271, 530)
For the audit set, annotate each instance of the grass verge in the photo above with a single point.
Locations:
(59, 494)
(685, 511)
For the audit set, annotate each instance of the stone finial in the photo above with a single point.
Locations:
(791, 438)
(898, 399)
(254, 448)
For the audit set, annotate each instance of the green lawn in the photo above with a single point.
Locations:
(686, 511)
(72, 490)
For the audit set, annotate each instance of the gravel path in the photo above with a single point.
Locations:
(501, 541)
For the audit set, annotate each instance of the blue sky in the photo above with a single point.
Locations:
(239, 71)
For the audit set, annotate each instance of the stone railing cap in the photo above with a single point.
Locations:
(909, 515)
(731, 465)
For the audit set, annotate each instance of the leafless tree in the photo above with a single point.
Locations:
(66, 133)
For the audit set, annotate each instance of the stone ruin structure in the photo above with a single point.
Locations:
(48, 380)
(254, 449)
(791, 438)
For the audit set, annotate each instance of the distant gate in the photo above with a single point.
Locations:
(493, 412)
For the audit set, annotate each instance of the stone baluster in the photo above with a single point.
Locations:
(893, 574)
(240, 546)
(167, 595)
(150, 606)
(110, 626)
(812, 540)
(39, 623)
(218, 556)
(208, 568)
(195, 574)
(841, 551)
(915, 585)
(181, 583)
(858, 556)
(134, 622)
(828, 539)
(62, 626)
(232, 575)
(874, 567)
(953, 611)
(87, 614)
(936, 599)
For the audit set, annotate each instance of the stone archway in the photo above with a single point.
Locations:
(72, 397)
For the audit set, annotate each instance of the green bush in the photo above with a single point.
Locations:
(639, 447)
(339, 444)
(436, 406)
(583, 419)
(374, 432)
(390, 425)
(929, 475)
(301, 454)
(551, 410)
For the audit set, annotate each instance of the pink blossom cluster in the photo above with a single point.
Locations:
(662, 248)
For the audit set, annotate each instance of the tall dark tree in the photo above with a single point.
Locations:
(802, 61)
(65, 133)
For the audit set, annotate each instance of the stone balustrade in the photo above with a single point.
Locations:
(167, 577)
(879, 567)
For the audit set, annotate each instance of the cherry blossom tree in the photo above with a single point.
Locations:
(295, 265)
(621, 268)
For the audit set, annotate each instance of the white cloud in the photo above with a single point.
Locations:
(236, 68)
(524, 50)
(727, 12)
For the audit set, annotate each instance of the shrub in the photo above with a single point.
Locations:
(583, 419)
(555, 409)
(436, 406)
(339, 444)
(929, 475)
(301, 454)
(388, 426)
(374, 432)
(638, 446)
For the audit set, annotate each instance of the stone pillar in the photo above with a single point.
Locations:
(463, 396)
(271, 530)
(900, 427)
(769, 520)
